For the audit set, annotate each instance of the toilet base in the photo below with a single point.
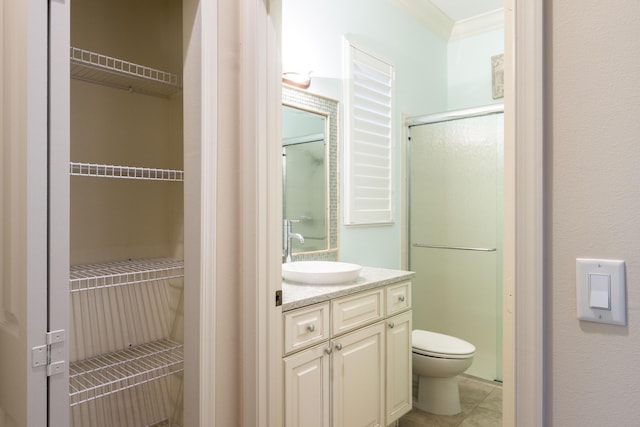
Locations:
(440, 396)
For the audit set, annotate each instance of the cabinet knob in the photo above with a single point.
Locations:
(338, 346)
(311, 327)
(328, 350)
(401, 298)
(392, 325)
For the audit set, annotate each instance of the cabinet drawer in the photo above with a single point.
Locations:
(352, 312)
(305, 326)
(398, 298)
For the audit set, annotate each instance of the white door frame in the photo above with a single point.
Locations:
(233, 357)
(523, 391)
(261, 166)
(23, 210)
(523, 271)
(59, 202)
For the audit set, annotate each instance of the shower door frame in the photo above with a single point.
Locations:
(449, 116)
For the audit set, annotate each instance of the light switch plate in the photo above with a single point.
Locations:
(594, 296)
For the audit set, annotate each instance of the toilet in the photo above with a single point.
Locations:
(437, 360)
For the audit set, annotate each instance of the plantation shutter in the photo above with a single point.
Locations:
(368, 147)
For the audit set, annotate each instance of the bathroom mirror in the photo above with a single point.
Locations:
(310, 172)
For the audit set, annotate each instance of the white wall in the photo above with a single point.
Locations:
(312, 35)
(592, 206)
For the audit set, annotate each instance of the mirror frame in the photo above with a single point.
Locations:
(327, 107)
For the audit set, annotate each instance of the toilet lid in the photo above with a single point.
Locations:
(440, 345)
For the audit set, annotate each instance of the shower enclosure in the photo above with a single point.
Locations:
(455, 229)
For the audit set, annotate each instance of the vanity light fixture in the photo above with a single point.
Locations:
(298, 80)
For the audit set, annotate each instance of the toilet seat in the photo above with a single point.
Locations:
(433, 344)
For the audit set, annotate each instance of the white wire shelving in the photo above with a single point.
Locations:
(109, 71)
(103, 375)
(125, 172)
(112, 274)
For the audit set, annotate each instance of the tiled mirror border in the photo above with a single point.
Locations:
(316, 103)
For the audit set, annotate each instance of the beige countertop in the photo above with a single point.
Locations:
(296, 295)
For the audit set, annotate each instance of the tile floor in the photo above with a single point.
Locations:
(481, 407)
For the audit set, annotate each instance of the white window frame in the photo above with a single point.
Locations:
(368, 198)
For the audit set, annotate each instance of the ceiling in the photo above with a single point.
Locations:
(459, 10)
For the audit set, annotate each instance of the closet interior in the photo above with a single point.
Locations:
(126, 239)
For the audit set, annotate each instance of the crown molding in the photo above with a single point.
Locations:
(443, 26)
(428, 15)
(489, 21)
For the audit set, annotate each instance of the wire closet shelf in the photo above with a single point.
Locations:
(113, 72)
(106, 374)
(110, 373)
(125, 172)
(112, 274)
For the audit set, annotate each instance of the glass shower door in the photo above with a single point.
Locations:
(456, 233)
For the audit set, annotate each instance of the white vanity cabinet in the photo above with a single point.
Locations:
(347, 361)
(358, 377)
(398, 360)
(398, 344)
(306, 384)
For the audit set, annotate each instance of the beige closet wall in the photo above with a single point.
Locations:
(592, 206)
(148, 32)
(120, 219)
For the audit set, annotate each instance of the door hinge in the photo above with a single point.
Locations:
(278, 298)
(51, 354)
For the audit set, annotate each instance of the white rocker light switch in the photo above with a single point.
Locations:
(601, 291)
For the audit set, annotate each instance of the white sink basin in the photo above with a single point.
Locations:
(320, 272)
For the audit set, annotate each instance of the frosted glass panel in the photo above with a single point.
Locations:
(453, 183)
(456, 202)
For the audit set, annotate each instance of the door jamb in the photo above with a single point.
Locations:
(524, 203)
(523, 286)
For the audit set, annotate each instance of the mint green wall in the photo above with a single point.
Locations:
(312, 34)
(432, 76)
(469, 69)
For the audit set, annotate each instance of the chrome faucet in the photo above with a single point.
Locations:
(287, 236)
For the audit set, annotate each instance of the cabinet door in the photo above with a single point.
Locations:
(306, 388)
(398, 366)
(358, 378)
